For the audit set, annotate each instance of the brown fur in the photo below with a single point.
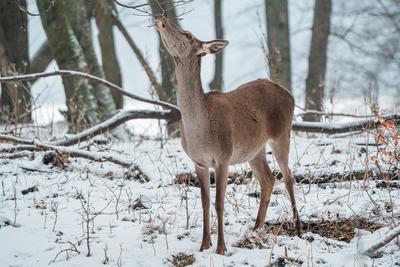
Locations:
(220, 129)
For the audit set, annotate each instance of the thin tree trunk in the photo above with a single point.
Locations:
(217, 81)
(278, 41)
(15, 101)
(65, 48)
(167, 63)
(104, 24)
(315, 82)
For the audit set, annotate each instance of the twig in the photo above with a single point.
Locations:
(146, 66)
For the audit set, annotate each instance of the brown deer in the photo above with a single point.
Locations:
(220, 129)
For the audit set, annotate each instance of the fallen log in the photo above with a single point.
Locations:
(371, 251)
(113, 122)
(335, 128)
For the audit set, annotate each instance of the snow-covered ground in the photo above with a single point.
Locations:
(49, 222)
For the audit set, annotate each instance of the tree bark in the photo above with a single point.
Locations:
(41, 59)
(315, 82)
(104, 24)
(80, 24)
(66, 50)
(167, 63)
(217, 81)
(15, 103)
(278, 41)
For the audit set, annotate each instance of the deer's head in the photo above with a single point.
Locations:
(182, 44)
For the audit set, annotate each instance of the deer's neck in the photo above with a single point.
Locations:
(190, 91)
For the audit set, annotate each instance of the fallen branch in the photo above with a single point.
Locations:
(113, 122)
(80, 153)
(392, 234)
(74, 152)
(34, 76)
(335, 128)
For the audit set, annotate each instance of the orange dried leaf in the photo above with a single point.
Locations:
(374, 159)
(390, 124)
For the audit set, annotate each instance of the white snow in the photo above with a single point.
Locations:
(149, 237)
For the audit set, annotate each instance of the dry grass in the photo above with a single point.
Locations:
(342, 230)
(182, 259)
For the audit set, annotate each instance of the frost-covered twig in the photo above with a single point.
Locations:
(392, 234)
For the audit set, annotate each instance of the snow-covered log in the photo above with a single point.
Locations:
(113, 122)
(392, 234)
(335, 128)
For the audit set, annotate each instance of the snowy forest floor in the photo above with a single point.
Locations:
(49, 213)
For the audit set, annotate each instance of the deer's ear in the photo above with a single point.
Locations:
(212, 47)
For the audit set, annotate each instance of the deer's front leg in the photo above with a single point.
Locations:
(204, 179)
(221, 182)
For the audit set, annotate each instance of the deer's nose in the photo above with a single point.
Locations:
(158, 21)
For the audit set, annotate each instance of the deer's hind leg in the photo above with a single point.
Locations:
(280, 149)
(264, 176)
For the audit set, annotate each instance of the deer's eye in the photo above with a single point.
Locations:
(188, 36)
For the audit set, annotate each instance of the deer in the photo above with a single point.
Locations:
(219, 129)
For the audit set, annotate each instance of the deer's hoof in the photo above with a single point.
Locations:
(205, 245)
(221, 249)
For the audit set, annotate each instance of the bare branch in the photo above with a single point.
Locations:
(113, 122)
(25, 10)
(146, 66)
(34, 76)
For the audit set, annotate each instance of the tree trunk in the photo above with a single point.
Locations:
(15, 101)
(278, 41)
(167, 62)
(217, 81)
(315, 82)
(104, 24)
(41, 59)
(65, 48)
(80, 24)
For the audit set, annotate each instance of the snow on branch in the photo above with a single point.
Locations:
(34, 76)
(392, 234)
(335, 128)
(113, 122)
(72, 152)
(174, 113)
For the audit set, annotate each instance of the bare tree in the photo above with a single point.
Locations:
(278, 41)
(70, 39)
(317, 61)
(217, 81)
(15, 101)
(104, 24)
